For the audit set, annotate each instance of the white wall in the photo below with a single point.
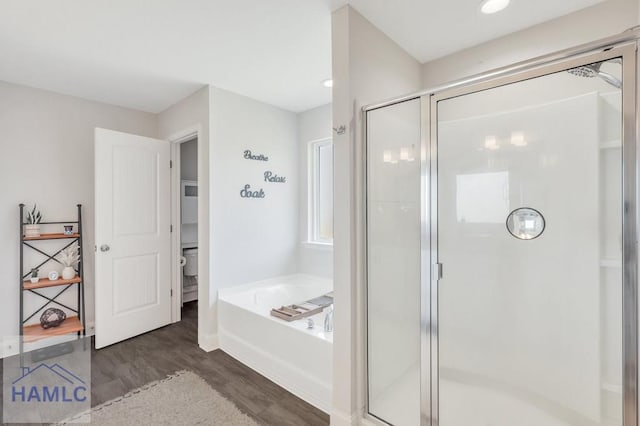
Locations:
(313, 125)
(189, 160)
(252, 238)
(190, 115)
(47, 158)
(255, 239)
(602, 20)
(367, 67)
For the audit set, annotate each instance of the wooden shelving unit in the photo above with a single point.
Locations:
(73, 323)
(59, 236)
(45, 282)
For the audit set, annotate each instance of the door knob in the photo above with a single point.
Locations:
(105, 247)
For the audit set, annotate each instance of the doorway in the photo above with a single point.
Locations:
(139, 267)
(184, 198)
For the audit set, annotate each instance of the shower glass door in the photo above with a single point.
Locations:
(393, 265)
(529, 199)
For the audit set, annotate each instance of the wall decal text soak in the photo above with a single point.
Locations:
(247, 192)
(248, 155)
(269, 176)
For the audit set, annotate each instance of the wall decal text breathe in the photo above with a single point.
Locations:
(248, 155)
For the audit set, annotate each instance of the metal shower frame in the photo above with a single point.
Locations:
(623, 46)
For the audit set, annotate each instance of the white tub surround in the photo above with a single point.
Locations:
(293, 356)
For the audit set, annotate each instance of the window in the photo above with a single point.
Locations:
(321, 192)
(482, 197)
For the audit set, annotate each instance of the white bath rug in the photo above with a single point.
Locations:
(183, 398)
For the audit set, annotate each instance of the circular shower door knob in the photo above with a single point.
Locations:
(526, 223)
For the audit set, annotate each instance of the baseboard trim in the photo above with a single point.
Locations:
(91, 328)
(339, 418)
(10, 346)
(208, 342)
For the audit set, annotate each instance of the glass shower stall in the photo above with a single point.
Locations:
(501, 246)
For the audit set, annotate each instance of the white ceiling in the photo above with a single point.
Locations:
(429, 29)
(149, 55)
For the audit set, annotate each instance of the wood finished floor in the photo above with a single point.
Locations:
(125, 366)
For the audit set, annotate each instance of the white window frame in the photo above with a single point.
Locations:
(313, 178)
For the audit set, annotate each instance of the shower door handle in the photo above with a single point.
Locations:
(437, 271)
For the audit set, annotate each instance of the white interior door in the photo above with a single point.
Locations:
(133, 245)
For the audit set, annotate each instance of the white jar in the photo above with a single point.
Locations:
(68, 273)
(32, 230)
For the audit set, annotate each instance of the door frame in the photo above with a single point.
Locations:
(176, 139)
(624, 45)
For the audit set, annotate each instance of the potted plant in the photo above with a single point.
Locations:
(34, 275)
(69, 259)
(32, 227)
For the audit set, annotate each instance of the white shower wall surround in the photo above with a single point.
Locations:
(506, 331)
(555, 161)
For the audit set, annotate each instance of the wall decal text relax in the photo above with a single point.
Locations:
(269, 176)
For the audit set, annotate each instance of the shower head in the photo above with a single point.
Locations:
(593, 70)
(588, 71)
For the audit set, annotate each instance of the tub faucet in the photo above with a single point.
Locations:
(328, 319)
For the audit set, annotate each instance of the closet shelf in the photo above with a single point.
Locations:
(35, 332)
(59, 236)
(45, 282)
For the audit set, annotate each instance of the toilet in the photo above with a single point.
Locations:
(191, 263)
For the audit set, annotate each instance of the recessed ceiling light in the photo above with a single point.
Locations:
(328, 83)
(493, 6)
